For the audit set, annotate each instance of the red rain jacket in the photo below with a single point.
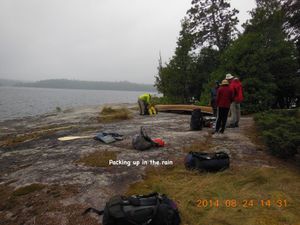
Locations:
(237, 88)
(224, 97)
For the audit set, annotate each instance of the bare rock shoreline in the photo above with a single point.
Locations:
(31, 154)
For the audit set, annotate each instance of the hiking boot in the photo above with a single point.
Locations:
(236, 125)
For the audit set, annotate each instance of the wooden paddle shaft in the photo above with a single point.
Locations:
(69, 138)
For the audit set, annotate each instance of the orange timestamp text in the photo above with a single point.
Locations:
(245, 203)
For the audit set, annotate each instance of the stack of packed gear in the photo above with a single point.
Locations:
(143, 142)
(108, 138)
(210, 162)
(152, 209)
(196, 120)
(152, 110)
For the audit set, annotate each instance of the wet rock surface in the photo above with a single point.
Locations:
(53, 163)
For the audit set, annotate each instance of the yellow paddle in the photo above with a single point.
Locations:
(69, 138)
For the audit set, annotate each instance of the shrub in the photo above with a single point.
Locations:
(280, 130)
(58, 109)
(165, 100)
(109, 114)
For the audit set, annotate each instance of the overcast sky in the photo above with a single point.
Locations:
(102, 40)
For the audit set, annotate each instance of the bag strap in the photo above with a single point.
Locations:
(112, 134)
(158, 201)
(148, 195)
(200, 155)
(144, 134)
(147, 138)
(91, 209)
(143, 200)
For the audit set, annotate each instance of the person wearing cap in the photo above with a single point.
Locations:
(224, 99)
(213, 97)
(235, 107)
(144, 102)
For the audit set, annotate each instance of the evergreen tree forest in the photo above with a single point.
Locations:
(264, 55)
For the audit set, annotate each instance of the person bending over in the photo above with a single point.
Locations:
(144, 101)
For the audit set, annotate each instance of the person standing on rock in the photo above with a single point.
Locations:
(213, 97)
(235, 108)
(224, 99)
(144, 102)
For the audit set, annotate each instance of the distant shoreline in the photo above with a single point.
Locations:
(88, 85)
(82, 89)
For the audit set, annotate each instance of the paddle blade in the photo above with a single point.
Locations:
(69, 138)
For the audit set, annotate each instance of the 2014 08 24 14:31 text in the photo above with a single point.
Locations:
(245, 203)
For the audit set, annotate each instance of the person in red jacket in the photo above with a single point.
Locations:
(235, 108)
(224, 99)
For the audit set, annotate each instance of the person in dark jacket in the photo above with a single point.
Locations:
(224, 99)
(213, 98)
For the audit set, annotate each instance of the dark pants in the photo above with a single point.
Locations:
(143, 106)
(222, 119)
(214, 107)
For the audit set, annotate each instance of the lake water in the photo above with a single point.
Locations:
(17, 102)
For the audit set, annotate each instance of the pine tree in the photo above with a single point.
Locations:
(213, 23)
(159, 79)
(174, 79)
(291, 9)
(264, 59)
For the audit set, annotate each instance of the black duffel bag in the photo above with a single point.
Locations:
(142, 141)
(196, 120)
(207, 161)
(152, 209)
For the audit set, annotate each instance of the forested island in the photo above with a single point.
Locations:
(89, 85)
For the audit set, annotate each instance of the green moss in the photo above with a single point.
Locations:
(27, 189)
(98, 158)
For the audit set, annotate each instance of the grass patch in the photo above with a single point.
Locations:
(33, 205)
(98, 158)
(199, 146)
(232, 187)
(109, 114)
(14, 140)
(251, 133)
(27, 189)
